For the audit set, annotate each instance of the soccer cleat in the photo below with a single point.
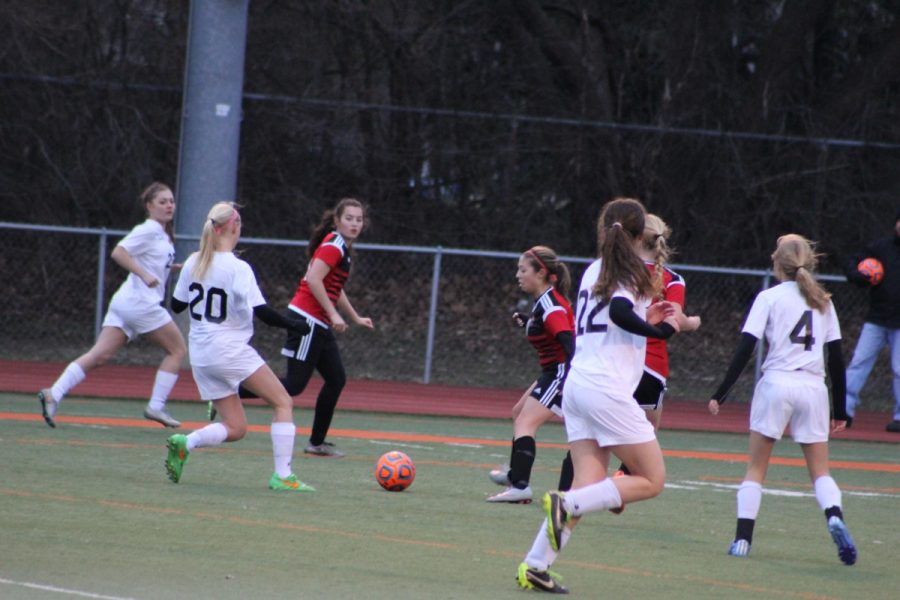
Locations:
(288, 484)
(739, 548)
(211, 411)
(323, 449)
(619, 509)
(543, 581)
(500, 476)
(842, 539)
(513, 495)
(48, 406)
(557, 517)
(178, 455)
(162, 417)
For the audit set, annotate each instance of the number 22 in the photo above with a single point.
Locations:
(592, 327)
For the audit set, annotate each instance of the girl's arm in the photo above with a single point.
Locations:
(838, 386)
(347, 308)
(738, 361)
(685, 323)
(127, 262)
(621, 312)
(315, 277)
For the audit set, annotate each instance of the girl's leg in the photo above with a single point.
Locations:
(531, 416)
(828, 495)
(169, 338)
(501, 476)
(749, 494)
(231, 427)
(110, 340)
(331, 368)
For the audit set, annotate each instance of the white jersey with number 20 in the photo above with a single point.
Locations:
(796, 333)
(607, 358)
(221, 308)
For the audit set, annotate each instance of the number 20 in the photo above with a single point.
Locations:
(214, 311)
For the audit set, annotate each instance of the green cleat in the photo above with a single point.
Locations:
(557, 517)
(530, 578)
(178, 455)
(288, 484)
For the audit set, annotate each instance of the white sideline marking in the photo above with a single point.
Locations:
(693, 485)
(400, 444)
(59, 590)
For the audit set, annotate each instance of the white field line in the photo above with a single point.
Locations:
(723, 487)
(59, 590)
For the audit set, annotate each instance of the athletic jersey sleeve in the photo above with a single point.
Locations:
(556, 321)
(246, 283)
(184, 280)
(622, 314)
(674, 291)
(330, 254)
(138, 240)
(833, 331)
(756, 321)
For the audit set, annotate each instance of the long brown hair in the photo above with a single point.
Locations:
(326, 224)
(148, 195)
(542, 257)
(795, 259)
(620, 223)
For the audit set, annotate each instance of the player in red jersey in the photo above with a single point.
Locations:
(655, 252)
(320, 300)
(550, 329)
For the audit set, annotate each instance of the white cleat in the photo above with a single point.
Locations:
(513, 495)
(48, 406)
(162, 417)
(500, 476)
(739, 548)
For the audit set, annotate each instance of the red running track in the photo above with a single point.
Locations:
(113, 381)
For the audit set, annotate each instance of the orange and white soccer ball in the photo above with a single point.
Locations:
(394, 471)
(872, 269)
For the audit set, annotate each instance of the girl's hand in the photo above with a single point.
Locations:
(658, 312)
(672, 320)
(520, 319)
(365, 322)
(713, 407)
(837, 426)
(338, 324)
(150, 280)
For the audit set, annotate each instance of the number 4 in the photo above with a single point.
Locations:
(797, 336)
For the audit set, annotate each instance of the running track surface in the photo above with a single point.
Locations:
(113, 381)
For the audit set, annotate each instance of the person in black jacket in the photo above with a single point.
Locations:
(882, 322)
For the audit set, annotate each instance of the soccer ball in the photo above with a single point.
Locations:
(872, 269)
(394, 471)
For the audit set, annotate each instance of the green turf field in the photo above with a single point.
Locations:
(87, 511)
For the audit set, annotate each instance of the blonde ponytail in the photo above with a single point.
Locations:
(795, 259)
(219, 215)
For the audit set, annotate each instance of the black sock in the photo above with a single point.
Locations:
(566, 473)
(745, 530)
(624, 468)
(834, 511)
(523, 452)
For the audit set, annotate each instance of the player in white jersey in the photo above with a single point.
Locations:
(222, 296)
(147, 253)
(799, 322)
(613, 320)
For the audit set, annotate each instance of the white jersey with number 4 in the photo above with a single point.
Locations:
(796, 333)
(150, 247)
(607, 358)
(221, 308)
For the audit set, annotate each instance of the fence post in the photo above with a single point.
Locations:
(432, 312)
(101, 276)
(759, 348)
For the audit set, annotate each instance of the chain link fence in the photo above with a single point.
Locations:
(441, 315)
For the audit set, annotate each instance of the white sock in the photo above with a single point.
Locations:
(162, 387)
(749, 497)
(542, 555)
(283, 447)
(827, 492)
(211, 435)
(72, 376)
(593, 498)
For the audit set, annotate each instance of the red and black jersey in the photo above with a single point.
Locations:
(673, 291)
(332, 251)
(550, 315)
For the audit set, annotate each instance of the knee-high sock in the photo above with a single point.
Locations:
(72, 376)
(827, 492)
(523, 452)
(283, 447)
(593, 498)
(162, 387)
(542, 555)
(566, 473)
(749, 497)
(211, 435)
